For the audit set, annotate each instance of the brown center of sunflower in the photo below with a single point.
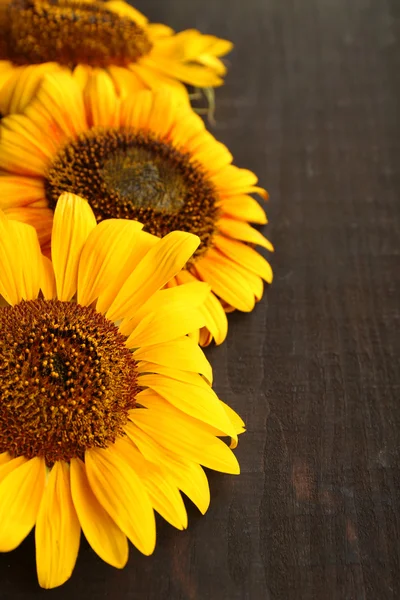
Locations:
(70, 32)
(135, 175)
(67, 380)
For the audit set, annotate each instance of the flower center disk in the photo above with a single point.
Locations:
(70, 33)
(67, 380)
(135, 175)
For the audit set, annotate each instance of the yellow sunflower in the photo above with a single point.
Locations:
(41, 36)
(146, 157)
(106, 409)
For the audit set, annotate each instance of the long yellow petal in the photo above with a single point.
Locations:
(20, 495)
(164, 496)
(105, 258)
(189, 393)
(101, 101)
(122, 494)
(183, 435)
(188, 476)
(165, 324)
(243, 255)
(180, 353)
(215, 318)
(21, 262)
(27, 246)
(104, 536)
(244, 208)
(233, 287)
(160, 264)
(57, 533)
(61, 98)
(192, 295)
(17, 190)
(244, 232)
(73, 222)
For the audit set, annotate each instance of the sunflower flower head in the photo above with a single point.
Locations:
(40, 36)
(107, 412)
(148, 158)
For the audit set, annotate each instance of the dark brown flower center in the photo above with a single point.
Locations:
(135, 175)
(70, 33)
(67, 380)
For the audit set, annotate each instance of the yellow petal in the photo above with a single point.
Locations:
(143, 243)
(215, 318)
(102, 103)
(48, 285)
(60, 96)
(164, 496)
(31, 260)
(244, 232)
(20, 259)
(121, 493)
(22, 87)
(188, 476)
(245, 256)
(189, 393)
(9, 466)
(244, 208)
(57, 533)
(73, 222)
(165, 324)
(105, 258)
(191, 74)
(232, 181)
(17, 190)
(125, 10)
(183, 435)
(19, 152)
(180, 353)
(160, 264)
(104, 536)
(20, 495)
(192, 295)
(229, 285)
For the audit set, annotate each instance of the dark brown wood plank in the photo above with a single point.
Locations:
(311, 104)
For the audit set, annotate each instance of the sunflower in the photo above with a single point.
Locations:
(106, 411)
(146, 157)
(41, 36)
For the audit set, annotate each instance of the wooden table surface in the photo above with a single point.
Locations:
(311, 104)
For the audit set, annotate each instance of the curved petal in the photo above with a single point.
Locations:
(245, 208)
(180, 353)
(57, 533)
(165, 324)
(183, 435)
(101, 101)
(188, 476)
(73, 222)
(244, 255)
(189, 393)
(164, 496)
(159, 265)
(229, 285)
(20, 496)
(104, 536)
(21, 261)
(105, 257)
(122, 494)
(244, 232)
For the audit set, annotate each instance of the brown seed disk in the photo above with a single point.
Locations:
(129, 174)
(67, 380)
(70, 33)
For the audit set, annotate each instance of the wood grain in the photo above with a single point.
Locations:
(311, 104)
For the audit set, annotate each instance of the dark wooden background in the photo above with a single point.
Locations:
(311, 104)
